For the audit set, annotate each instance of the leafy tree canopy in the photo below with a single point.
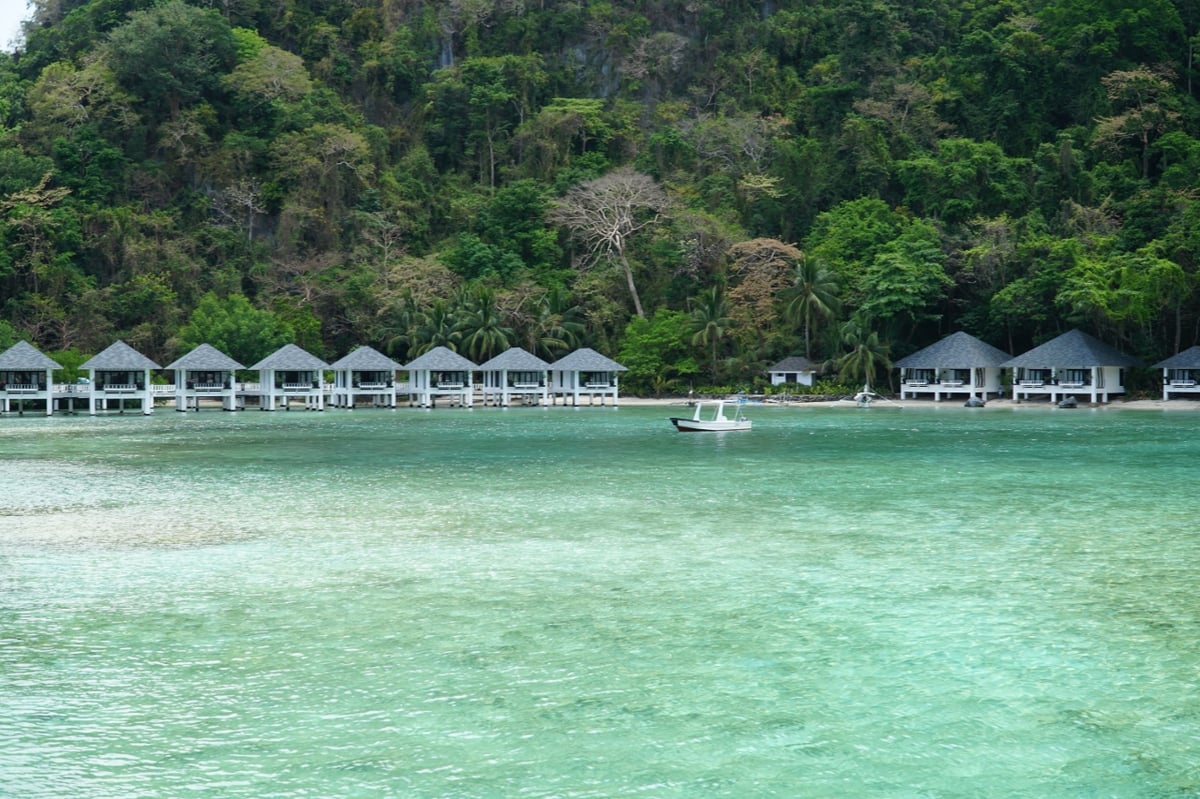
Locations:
(467, 173)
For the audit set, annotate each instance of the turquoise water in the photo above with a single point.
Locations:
(584, 603)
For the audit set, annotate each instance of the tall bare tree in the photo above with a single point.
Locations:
(603, 214)
(760, 272)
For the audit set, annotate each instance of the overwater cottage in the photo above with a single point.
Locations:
(796, 370)
(205, 373)
(1181, 373)
(26, 375)
(1072, 365)
(441, 372)
(365, 372)
(585, 373)
(959, 365)
(291, 374)
(118, 375)
(515, 373)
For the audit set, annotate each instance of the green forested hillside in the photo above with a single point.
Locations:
(698, 188)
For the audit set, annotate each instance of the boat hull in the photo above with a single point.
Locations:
(700, 426)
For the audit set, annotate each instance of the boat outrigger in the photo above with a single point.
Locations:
(865, 397)
(868, 397)
(713, 424)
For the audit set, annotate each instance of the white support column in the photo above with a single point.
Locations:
(266, 390)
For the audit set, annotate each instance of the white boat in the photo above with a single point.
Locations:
(865, 397)
(712, 424)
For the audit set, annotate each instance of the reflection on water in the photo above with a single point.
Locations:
(562, 602)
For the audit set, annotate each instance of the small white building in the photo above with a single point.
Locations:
(1181, 373)
(120, 374)
(441, 372)
(366, 372)
(26, 374)
(515, 373)
(291, 374)
(959, 365)
(1072, 365)
(205, 373)
(796, 370)
(585, 373)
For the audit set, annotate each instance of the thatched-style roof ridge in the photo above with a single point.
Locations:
(1074, 348)
(1188, 359)
(517, 360)
(117, 357)
(366, 359)
(291, 357)
(206, 357)
(957, 351)
(442, 359)
(586, 360)
(794, 363)
(25, 356)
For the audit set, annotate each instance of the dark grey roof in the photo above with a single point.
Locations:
(586, 360)
(366, 359)
(957, 351)
(24, 355)
(206, 357)
(794, 363)
(515, 359)
(1073, 349)
(1188, 359)
(119, 356)
(289, 356)
(442, 359)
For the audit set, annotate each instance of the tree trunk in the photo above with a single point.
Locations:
(1178, 326)
(637, 301)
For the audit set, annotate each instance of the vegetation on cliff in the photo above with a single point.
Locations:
(700, 188)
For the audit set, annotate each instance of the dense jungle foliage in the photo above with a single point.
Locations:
(697, 188)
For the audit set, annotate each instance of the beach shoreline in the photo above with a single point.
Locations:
(1173, 405)
(1117, 404)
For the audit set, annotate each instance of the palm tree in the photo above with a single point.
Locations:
(438, 327)
(864, 354)
(816, 290)
(481, 326)
(556, 325)
(402, 316)
(710, 321)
